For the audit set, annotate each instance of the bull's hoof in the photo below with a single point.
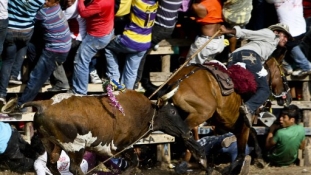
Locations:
(259, 163)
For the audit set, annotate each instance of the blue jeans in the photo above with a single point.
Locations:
(15, 49)
(3, 30)
(254, 65)
(300, 58)
(45, 66)
(87, 50)
(212, 146)
(131, 66)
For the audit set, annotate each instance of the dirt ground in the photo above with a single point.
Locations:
(289, 170)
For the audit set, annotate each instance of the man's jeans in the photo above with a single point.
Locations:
(254, 65)
(87, 50)
(45, 66)
(15, 49)
(3, 30)
(212, 146)
(300, 58)
(305, 45)
(131, 66)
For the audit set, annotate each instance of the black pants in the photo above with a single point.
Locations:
(15, 154)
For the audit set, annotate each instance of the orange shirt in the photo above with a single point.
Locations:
(214, 12)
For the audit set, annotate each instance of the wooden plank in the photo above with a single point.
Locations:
(24, 117)
(20, 88)
(175, 42)
(159, 76)
(294, 78)
(154, 138)
(306, 123)
(300, 104)
(261, 130)
(165, 50)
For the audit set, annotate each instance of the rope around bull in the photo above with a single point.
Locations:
(185, 63)
(150, 129)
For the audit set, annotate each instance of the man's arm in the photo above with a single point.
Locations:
(199, 10)
(88, 11)
(269, 140)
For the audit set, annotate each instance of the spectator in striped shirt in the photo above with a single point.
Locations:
(134, 41)
(57, 45)
(19, 32)
(165, 21)
(99, 16)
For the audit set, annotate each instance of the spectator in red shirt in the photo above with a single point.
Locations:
(99, 16)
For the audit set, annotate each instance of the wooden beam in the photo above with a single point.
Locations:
(175, 42)
(300, 104)
(155, 138)
(24, 117)
(294, 78)
(261, 130)
(20, 88)
(159, 76)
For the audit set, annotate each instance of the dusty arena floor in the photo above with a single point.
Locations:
(290, 170)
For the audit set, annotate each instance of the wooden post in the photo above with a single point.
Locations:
(307, 122)
(28, 131)
(166, 63)
(164, 154)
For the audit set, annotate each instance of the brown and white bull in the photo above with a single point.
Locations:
(77, 124)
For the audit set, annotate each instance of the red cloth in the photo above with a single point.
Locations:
(99, 16)
(214, 12)
(307, 8)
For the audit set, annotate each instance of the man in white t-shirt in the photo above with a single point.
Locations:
(290, 12)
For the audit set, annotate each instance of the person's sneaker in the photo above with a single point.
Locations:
(57, 89)
(14, 80)
(301, 73)
(248, 116)
(246, 165)
(288, 71)
(117, 86)
(226, 142)
(94, 78)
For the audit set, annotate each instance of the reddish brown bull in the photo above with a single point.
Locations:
(77, 124)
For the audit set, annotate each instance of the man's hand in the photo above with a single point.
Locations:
(274, 127)
(224, 30)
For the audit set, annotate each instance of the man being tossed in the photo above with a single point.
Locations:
(253, 54)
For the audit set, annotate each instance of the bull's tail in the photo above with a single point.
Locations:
(37, 104)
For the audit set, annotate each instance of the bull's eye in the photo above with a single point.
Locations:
(173, 112)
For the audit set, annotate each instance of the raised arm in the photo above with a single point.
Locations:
(90, 10)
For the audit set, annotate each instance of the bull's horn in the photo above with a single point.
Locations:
(170, 94)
